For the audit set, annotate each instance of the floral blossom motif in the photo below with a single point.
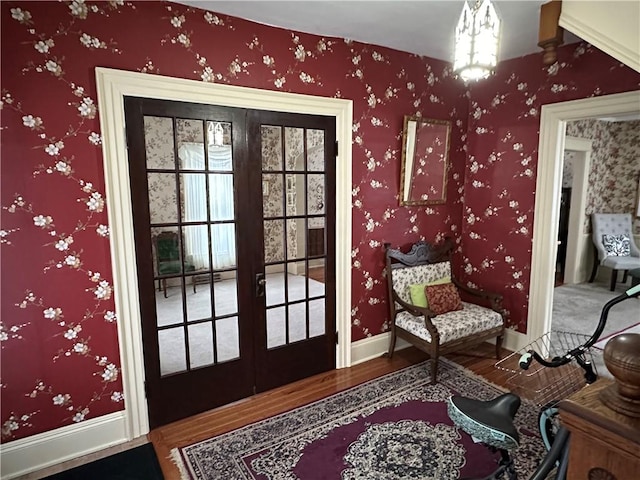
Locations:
(34, 123)
(87, 108)
(81, 415)
(91, 42)
(43, 46)
(110, 373)
(61, 400)
(4, 235)
(177, 21)
(95, 138)
(212, 19)
(22, 16)
(95, 202)
(15, 422)
(11, 333)
(78, 9)
(102, 231)
(54, 67)
(63, 243)
(103, 290)
(53, 149)
(53, 313)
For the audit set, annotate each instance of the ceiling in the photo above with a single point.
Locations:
(422, 27)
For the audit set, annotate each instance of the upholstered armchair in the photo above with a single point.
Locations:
(614, 246)
(426, 309)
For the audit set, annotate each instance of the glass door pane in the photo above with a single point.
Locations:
(294, 214)
(191, 205)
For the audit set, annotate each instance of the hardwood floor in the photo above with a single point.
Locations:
(273, 402)
(316, 273)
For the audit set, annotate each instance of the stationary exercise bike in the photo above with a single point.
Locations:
(550, 364)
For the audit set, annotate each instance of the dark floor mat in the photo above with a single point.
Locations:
(138, 463)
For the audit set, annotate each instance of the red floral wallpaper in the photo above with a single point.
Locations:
(59, 340)
(500, 176)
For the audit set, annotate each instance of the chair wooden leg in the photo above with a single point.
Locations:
(614, 278)
(164, 287)
(594, 269)
(499, 347)
(434, 369)
(625, 276)
(392, 343)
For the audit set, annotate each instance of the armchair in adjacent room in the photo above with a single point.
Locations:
(168, 259)
(614, 245)
(426, 309)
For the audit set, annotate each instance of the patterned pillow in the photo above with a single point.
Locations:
(443, 298)
(616, 245)
(416, 291)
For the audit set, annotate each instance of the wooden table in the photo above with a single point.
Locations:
(604, 445)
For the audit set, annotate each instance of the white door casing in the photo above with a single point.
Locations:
(574, 271)
(113, 86)
(551, 147)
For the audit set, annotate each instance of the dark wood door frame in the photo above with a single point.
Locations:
(166, 394)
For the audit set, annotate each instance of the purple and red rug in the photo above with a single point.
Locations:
(393, 427)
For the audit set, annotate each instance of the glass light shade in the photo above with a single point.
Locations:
(477, 38)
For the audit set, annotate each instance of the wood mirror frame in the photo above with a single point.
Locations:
(425, 161)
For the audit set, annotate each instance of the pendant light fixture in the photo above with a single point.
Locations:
(476, 41)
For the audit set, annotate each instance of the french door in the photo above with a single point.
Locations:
(234, 220)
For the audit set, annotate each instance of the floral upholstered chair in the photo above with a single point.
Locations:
(426, 309)
(614, 245)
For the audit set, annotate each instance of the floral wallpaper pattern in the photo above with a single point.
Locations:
(615, 166)
(59, 338)
(567, 169)
(502, 146)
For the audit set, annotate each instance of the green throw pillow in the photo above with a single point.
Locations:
(416, 291)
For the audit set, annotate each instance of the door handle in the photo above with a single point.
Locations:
(260, 284)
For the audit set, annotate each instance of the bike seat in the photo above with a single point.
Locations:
(490, 421)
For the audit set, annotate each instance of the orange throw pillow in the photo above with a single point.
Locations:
(443, 298)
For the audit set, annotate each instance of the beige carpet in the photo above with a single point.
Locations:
(577, 308)
(201, 336)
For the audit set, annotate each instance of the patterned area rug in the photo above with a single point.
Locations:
(391, 428)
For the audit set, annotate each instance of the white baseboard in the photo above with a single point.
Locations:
(515, 341)
(374, 347)
(50, 448)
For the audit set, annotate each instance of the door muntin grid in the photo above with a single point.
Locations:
(293, 193)
(190, 192)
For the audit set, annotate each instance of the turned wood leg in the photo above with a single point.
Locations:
(392, 342)
(499, 347)
(614, 279)
(434, 369)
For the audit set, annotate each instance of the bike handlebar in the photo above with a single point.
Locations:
(576, 353)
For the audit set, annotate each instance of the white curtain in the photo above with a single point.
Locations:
(223, 240)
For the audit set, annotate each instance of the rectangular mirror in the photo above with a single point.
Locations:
(425, 161)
